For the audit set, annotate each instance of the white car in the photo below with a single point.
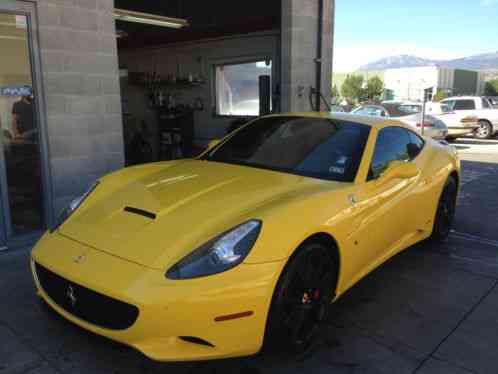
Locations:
(458, 123)
(410, 113)
(479, 107)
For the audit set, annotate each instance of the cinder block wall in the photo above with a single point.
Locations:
(81, 85)
(299, 51)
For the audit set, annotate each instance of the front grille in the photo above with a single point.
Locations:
(86, 304)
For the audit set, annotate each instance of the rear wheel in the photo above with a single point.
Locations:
(301, 298)
(484, 131)
(445, 214)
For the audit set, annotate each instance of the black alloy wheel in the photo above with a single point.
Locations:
(445, 214)
(300, 302)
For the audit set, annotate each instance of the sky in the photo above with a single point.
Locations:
(367, 30)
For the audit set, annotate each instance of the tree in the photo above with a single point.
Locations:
(440, 95)
(352, 88)
(336, 96)
(491, 88)
(375, 88)
(335, 91)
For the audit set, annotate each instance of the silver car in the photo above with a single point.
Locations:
(410, 113)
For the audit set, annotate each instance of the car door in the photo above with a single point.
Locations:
(491, 113)
(383, 218)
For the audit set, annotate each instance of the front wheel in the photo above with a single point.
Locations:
(301, 298)
(484, 131)
(445, 214)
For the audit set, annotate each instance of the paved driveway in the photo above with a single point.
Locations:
(429, 310)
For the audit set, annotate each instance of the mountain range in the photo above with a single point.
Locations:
(487, 61)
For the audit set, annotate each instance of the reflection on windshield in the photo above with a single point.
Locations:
(314, 147)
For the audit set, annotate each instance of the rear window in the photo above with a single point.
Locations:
(410, 109)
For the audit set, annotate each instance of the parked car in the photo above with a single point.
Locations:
(337, 109)
(479, 107)
(410, 113)
(245, 246)
(458, 123)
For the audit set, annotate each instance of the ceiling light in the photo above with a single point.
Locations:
(149, 19)
(10, 37)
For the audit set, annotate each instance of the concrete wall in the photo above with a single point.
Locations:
(198, 58)
(299, 51)
(79, 68)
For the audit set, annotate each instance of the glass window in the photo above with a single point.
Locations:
(416, 145)
(461, 104)
(445, 108)
(392, 145)
(370, 111)
(485, 103)
(319, 148)
(20, 164)
(410, 108)
(237, 88)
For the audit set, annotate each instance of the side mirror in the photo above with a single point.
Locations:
(399, 170)
(213, 143)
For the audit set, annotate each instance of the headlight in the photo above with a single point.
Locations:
(73, 206)
(218, 255)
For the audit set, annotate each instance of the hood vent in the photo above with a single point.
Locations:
(140, 212)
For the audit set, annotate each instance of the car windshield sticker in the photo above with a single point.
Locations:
(336, 170)
(342, 160)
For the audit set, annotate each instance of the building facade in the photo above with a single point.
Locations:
(61, 112)
(410, 83)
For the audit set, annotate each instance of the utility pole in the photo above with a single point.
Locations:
(427, 92)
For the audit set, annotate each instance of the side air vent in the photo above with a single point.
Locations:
(140, 212)
(195, 340)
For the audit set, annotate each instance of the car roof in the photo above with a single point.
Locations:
(377, 122)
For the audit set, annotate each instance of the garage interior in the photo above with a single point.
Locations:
(189, 78)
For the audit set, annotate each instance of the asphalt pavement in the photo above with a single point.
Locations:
(431, 309)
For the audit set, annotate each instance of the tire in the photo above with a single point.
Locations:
(300, 301)
(451, 139)
(485, 130)
(445, 213)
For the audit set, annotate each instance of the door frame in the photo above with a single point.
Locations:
(28, 9)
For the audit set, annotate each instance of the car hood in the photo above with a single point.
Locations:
(174, 208)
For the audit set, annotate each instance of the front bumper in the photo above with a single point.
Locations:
(168, 309)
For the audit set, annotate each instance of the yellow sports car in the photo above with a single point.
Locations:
(244, 246)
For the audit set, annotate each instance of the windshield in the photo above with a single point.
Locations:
(445, 108)
(314, 147)
(369, 111)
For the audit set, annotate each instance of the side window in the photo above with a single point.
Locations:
(485, 103)
(392, 145)
(416, 145)
(464, 105)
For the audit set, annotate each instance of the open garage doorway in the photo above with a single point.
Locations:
(192, 71)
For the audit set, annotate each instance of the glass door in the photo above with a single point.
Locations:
(20, 162)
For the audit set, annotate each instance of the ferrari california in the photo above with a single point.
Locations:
(245, 246)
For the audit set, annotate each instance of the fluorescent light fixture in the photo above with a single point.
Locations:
(149, 19)
(9, 37)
